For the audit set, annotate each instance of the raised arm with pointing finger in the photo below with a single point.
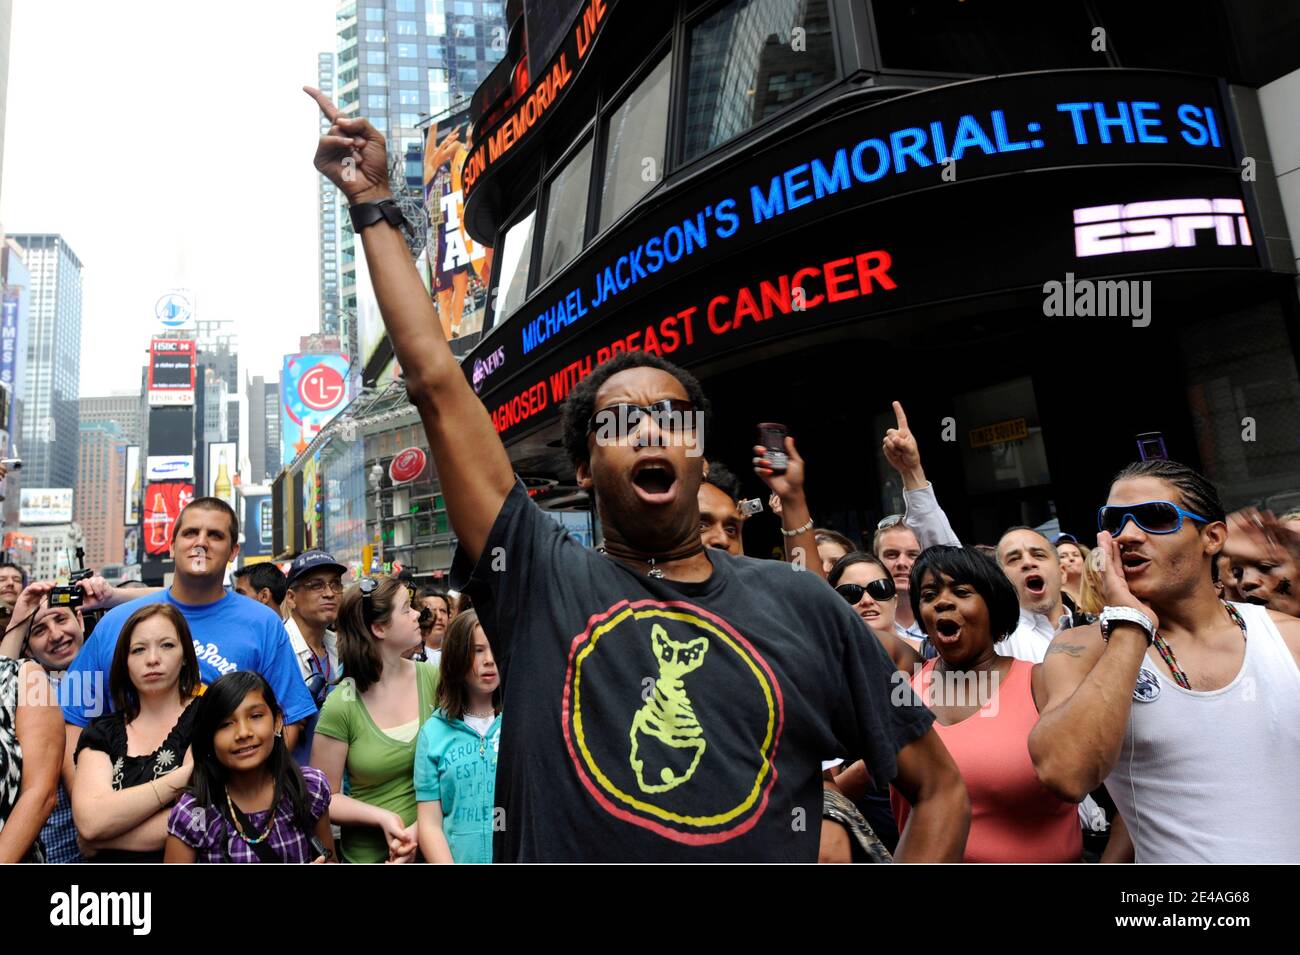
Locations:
(471, 462)
(924, 515)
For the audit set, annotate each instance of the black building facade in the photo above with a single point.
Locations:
(1047, 229)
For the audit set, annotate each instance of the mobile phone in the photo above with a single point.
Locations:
(13, 464)
(772, 437)
(1151, 446)
(317, 848)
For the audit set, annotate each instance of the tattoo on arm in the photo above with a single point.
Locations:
(1073, 649)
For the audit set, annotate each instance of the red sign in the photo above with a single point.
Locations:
(171, 372)
(162, 505)
(321, 388)
(407, 465)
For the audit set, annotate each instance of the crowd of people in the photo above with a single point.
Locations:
(663, 697)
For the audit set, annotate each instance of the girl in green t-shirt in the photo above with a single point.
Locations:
(371, 722)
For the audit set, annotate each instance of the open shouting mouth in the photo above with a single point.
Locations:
(1035, 585)
(654, 480)
(947, 630)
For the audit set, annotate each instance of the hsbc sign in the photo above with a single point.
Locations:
(1161, 224)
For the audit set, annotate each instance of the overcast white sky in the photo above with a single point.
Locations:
(171, 144)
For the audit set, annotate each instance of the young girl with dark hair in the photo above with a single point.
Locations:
(248, 801)
(456, 759)
(132, 763)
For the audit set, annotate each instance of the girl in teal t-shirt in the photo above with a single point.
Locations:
(456, 759)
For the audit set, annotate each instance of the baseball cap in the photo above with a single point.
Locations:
(312, 560)
(1065, 539)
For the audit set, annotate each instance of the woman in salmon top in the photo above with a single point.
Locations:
(985, 707)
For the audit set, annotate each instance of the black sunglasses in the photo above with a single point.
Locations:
(882, 589)
(367, 586)
(1154, 517)
(671, 415)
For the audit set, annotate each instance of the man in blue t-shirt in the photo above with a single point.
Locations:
(230, 633)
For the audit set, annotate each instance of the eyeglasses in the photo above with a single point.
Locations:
(883, 589)
(889, 521)
(671, 415)
(319, 585)
(1154, 517)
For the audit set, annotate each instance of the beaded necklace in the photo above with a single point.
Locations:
(239, 831)
(1167, 652)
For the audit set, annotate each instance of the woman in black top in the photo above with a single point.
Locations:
(132, 764)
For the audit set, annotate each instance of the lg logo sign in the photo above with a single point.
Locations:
(1163, 224)
(321, 388)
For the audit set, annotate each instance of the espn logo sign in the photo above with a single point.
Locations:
(1160, 224)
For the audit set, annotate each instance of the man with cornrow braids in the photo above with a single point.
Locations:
(1188, 707)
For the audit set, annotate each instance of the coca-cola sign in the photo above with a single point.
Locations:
(407, 465)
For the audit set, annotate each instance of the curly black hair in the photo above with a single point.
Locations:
(581, 403)
(720, 476)
(1199, 493)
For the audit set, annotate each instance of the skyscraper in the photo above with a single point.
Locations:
(127, 412)
(263, 399)
(97, 501)
(399, 62)
(52, 380)
(329, 230)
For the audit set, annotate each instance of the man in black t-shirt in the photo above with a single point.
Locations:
(663, 702)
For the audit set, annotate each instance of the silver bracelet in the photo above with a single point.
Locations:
(798, 530)
(1110, 616)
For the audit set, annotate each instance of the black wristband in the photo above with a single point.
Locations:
(368, 213)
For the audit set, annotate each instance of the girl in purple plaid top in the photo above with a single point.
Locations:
(248, 801)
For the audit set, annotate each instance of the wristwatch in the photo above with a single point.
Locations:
(368, 213)
(1110, 616)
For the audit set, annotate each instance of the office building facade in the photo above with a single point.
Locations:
(52, 379)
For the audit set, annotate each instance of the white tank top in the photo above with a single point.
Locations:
(1213, 776)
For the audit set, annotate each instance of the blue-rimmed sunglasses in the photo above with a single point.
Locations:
(1154, 517)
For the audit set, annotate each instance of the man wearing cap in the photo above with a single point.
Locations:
(315, 589)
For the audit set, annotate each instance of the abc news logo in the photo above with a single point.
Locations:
(1159, 224)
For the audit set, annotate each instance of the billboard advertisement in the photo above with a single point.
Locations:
(45, 505)
(9, 347)
(313, 389)
(132, 507)
(162, 505)
(171, 372)
(131, 546)
(175, 309)
(311, 507)
(258, 520)
(458, 267)
(169, 467)
(220, 474)
(171, 430)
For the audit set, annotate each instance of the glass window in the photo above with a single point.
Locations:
(408, 73)
(407, 51)
(407, 28)
(375, 36)
(375, 13)
(433, 52)
(635, 133)
(409, 119)
(376, 58)
(380, 123)
(408, 97)
(566, 214)
(376, 79)
(750, 59)
(986, 36)
(405, 6)
(516, 252)
(377, 101)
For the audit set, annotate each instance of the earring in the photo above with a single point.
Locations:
(279, 734)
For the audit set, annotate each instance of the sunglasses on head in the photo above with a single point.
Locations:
(367, 586)
(1154, 517)
(889, 521)
(882, 589)
(671, 415)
